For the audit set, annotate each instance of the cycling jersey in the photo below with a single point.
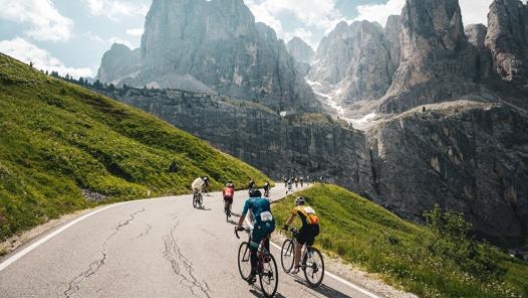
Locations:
(307, 215)
(260, 209)
(229, 192)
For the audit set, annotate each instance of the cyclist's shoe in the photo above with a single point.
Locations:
(295, 270)
(252, 279)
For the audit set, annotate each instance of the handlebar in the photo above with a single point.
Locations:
(292, 229)
(237, 230)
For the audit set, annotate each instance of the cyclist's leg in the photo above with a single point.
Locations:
(256, 237)
(299, 243)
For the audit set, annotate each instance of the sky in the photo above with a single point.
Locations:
(71, 36)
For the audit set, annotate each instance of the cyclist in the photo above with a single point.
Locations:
(197, 185)
(289, 186)
(266, 189)
(263, 226)
(228, 194)
(308, 231)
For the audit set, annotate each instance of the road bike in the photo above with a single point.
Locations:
(266, 192)
(197, 199)
(312, 262)
(266, 265)
(227, 209)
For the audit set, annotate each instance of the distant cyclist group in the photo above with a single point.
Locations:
(254, 257)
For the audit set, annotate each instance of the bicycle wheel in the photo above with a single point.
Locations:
(287, 253)
(244, 262)
(269, 276)
(313, 266)
(195, 201)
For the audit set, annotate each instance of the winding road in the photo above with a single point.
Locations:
(148, 248)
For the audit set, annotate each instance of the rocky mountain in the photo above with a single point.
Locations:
(300, 50)
(507, 38)
(118, 63)
(356, 62)
(449, 128)
(437, 62)
(465, 156)
(214, 46)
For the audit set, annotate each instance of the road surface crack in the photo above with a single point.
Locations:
(74, 285)
(183, 267)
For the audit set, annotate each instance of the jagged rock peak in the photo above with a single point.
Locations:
(216, 46)
(117, 63)
(300, 50)
(508, 40)
(476, 34)
(434, 56)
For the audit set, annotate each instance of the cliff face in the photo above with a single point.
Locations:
(300, 50)
(216, 46)
(508, 40)
(297, 144)
(467, 157)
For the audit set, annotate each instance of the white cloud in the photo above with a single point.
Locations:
(135, 31)
(473, 11)
(25, 51)
(112, 9)
(318, 15)
(379, 12)
(45, 22)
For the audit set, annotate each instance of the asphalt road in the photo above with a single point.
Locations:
(149, 248)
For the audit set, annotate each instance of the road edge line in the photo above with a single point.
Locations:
(33, 246)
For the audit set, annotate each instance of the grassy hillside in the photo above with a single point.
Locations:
(58, 139)
(437, 260)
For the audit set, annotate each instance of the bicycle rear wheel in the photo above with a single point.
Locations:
(269, 276)
(313, 266)
(195, 201)
(244, 262)
(287, 253)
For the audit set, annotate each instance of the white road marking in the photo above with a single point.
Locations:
(339, 279)
(28, 249)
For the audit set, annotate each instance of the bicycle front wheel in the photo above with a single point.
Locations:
(244, 260)
(287, 253)
(269, 276)
(313, 266)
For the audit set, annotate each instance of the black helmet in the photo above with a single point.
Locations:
(299, 201)
(255, 193)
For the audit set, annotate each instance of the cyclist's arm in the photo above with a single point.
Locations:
(244, 212)
(290, 220)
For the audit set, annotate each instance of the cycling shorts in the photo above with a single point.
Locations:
(307, 234)
(228, 200)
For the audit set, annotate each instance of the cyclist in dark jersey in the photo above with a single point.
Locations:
(308, 231)
(263, 226)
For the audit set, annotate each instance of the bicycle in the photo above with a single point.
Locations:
(312, 261)
(266, 193)
(227, 209)
(266, 265)
(197, 199)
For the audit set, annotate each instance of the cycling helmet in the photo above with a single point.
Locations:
(255, 193)
(205, 178)
(299, 201)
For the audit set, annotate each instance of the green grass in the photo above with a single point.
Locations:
(406, 254)
(57, 139)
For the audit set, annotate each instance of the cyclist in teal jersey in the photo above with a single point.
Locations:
(263, 226)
